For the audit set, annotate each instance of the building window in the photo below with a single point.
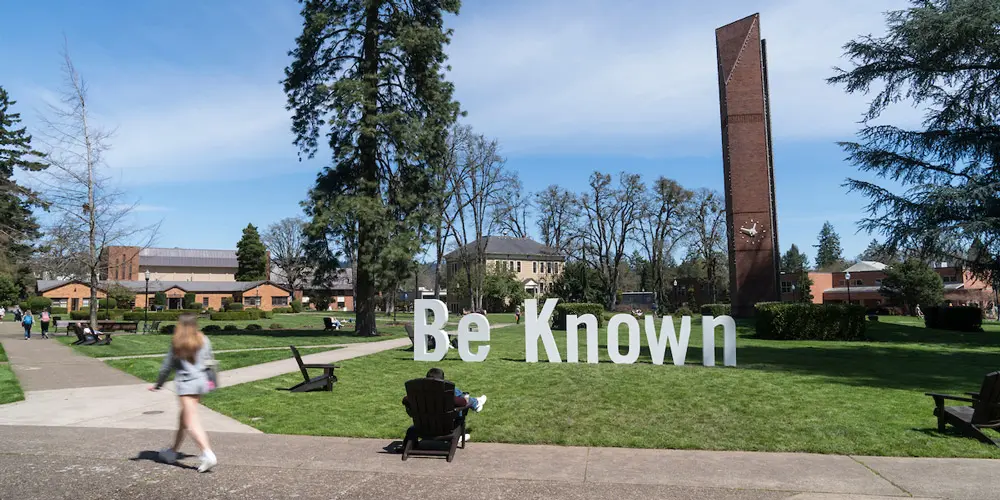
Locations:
(878, 282)
(279, 301)
(204, 301)
(557, 268)
(518, 266)
(549, 268)
(859, 282)
(85, 302)
(786, 287)
(843, 283)
(534, 267)
(948, 279)
(60, 303)
(251, 301)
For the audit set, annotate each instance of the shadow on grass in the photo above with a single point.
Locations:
(288, 333)
(891, 332)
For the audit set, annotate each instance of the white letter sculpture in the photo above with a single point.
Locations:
(633, 339)
(657, 344)
(482, 334)
(536, 327)
(572, 338)
(708, 325)
(421, 330)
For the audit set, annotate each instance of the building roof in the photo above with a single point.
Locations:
(509, 246)
(343, 280)
(866, 265)
(162, 286)
(948, 287)
(184, 257)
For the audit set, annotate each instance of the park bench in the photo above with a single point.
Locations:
(93, 339)
(322, 382)
(328, 324)
(431, 405)
(983, 412)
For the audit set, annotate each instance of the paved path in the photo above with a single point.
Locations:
(37, 462)
(63, 388)
(223, 351)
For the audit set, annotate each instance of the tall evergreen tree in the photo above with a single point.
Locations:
(371, 75)
(828, 251)
(17, 223)
(251, 256)
(794, 261)
(943, 56)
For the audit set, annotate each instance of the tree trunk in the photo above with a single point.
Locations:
(368, 149)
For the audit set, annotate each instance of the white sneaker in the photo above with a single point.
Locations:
(208, 461)
(168, 456)
(466, 438)
(481, 400)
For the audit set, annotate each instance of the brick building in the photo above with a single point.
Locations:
(264, 295)
(960, 287)
(169, 264)
(535, 265)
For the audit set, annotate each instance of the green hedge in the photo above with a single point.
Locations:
(790, 321)
(296, 306)
(248, 315)
(682, 311)
(565, 309)
(231, 328)
(234, 307)
(283, 310)
(84, 313)
(154, 316)
(58, 310)
(168, 329)
(716, 310)
(211, 328)
(36, 304)
(961, 318)
(254, 327)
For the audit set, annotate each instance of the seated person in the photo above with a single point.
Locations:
(96, 335)
(462, 399)
(336, 323)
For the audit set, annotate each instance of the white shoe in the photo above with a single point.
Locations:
(481, 400)
(168, 456)
(208, 461)
(466, 438)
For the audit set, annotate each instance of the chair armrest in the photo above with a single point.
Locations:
(973, 394)
(950, 397)
(320, 366)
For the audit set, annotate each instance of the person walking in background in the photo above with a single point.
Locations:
(45, 319)
(517, 315)
(920, 314)
(26, 321)
(3, 312)
(189, 356)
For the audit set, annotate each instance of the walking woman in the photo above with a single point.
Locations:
(189, 356)
(26, 321)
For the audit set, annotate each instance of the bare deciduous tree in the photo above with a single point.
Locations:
(611, 216)
(90, 213)
(513, 209)
(557, 218)
(286, 241)
(664, 224)
(709, 223)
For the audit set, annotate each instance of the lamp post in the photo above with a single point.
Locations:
(145, 310)
(676, 299)
(848, 278)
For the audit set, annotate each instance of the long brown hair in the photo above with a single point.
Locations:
(187, 338)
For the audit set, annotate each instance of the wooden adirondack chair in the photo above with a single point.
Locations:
(431, 405)
(431, 343)
(323, 382)
(984, 412)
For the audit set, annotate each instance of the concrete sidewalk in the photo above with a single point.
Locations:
(39, 462)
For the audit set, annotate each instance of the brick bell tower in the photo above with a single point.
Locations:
(748, 164)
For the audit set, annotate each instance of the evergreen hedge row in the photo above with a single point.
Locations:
(790, 321)
(247, 315)
(961, 319)
(566, 309)
(716, 310)
(154, 316)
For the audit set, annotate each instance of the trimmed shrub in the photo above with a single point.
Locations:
(296, 306)
(253, 327)
(234, 306)
(565, 309)
(959, 318)
(153, 316)
(682, 311)
(230, 328)
(36, 304)
(248, 315)
(106, 304)
(791, 321)
(168, 329)
(276, 326)
(84, 313)
(59, 310)
(160, 299)
(211, 329)
(716, 310)
(189, 301)
(282, 310)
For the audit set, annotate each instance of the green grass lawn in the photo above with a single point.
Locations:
(148, 368)
(824, 397)
(133, 345)
(3, 353)
(10, 390)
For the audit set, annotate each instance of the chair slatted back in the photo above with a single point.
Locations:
(327, 322)
(298, 359)
(985, 411)
(409, 331)
(432, 406)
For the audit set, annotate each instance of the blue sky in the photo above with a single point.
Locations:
(202, 137)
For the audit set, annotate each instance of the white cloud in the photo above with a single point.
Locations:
(636, 74)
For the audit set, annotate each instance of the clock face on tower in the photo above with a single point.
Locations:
(751, 231)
